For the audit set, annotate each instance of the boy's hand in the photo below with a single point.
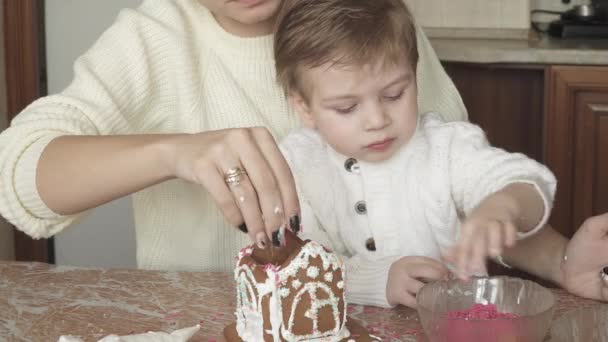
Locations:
(490, 228)
(407, 276)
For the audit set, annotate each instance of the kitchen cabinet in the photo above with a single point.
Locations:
(506, 100)
(576, 143)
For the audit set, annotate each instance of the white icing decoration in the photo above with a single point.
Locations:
(329, 277)
(276, 315)
(284, 292)
(249, 323)
(340, 284)
(296, 284)
(312, 272)
(309, 314)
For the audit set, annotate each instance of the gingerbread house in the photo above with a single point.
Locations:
(293, 293)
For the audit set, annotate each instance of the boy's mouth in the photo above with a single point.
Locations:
(249, 3)
(380, 146)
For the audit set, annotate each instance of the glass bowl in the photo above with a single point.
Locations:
(582, 325)
(531, 303)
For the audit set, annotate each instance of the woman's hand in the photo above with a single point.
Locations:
(585, 259)
(259, 201)
(408, 275)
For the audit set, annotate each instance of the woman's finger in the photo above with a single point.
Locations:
(263, 182)
(596, 227)
(283, 176)
(213, 181)
(235, 178)
(247, 200)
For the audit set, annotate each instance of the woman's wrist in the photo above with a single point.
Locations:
(165, 149)
(557, 272)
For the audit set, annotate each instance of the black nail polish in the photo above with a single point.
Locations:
(275, 239)
(605, 270)
(294, 224)
(243, 228)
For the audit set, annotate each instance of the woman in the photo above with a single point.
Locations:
(175, 94)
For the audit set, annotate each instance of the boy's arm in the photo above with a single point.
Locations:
(480, 173)
(521, 200)
(501, 196)
(541, 254)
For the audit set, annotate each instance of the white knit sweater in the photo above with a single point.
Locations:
(413, 202)
(167, 67)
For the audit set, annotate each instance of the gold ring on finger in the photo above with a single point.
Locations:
(233, 176)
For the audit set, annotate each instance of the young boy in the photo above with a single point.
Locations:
(388, 189)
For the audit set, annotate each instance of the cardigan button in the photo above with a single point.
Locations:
(370, 244)
(349, 163)
(361, 208)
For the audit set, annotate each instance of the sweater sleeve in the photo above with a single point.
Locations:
(113, 88)
(478, 170)
(436, 91)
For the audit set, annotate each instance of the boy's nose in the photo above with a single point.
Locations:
(376, 118)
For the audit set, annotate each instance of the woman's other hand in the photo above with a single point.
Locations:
(586, 258)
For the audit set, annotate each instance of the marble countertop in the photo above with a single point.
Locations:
(542, 51)
(40, 302)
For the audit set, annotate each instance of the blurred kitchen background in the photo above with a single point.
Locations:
(546, 96)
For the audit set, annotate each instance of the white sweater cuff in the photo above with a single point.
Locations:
(366, 281)
(546, 195)
(25, 179)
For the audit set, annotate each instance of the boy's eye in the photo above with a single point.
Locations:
(345, 110)
(394, 97)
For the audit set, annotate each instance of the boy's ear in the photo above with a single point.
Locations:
(301, 107)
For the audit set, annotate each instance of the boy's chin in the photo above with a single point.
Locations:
(376, 157)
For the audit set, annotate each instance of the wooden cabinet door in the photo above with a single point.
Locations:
(576, 144)
(506, 101)
(26, 81)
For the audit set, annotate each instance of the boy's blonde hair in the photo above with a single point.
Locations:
(311, 33)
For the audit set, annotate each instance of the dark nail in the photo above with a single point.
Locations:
(294, 224)
(275, 238)
(605, 270)
(243, 228)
